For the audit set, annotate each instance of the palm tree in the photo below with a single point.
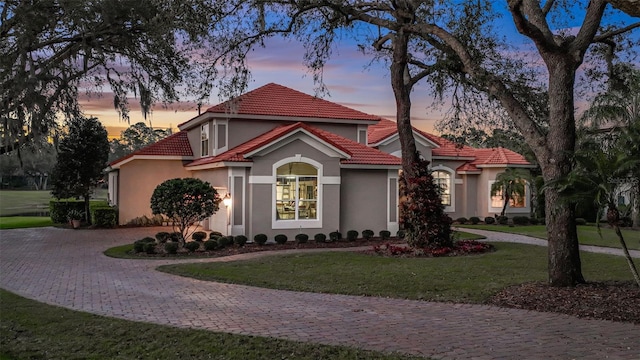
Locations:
(598, 175)
(511, 184)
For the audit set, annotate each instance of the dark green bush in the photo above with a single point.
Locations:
(581, 221)
(210, 245)
(367, 234)
(320, 237)
(150, 248)
(171, 247)
(302, 238)
(162, 237)
(385, 234)
(192, 246)
(225, 241)
(175, 236)
(462, 220)
(542, 220)
(104, 216)
(474, 220)
(260, 239)
(148, 239)
(138, 246)
(400, 234)
(240, 240)
(489, 220)
(521, 220)
(352, 235)
(199, 236)
(335, 236)
(58, 209)
(215, 235)
(281, 238)
(533, 221)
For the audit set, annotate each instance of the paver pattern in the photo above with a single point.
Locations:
(67, 268)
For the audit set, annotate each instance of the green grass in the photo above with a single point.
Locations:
(19, 222)
(587, 234)
(33, 330)
(16, 202)
(459, 279)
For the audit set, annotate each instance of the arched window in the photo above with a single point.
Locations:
(296, 192)
(443, 179)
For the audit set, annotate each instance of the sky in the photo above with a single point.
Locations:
(350, 77)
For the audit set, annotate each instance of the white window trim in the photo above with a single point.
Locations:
(216, 125)
(297, 224)
(208, 132)
(510, 210)
(393, 226)
(452, 186)
(363, 129)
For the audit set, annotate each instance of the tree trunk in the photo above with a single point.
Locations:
(565, 268)
(87, 214)
(506, 202)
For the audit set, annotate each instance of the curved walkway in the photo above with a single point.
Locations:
(67, 268)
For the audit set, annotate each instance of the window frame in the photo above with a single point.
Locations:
(297, 222)
(205, 144)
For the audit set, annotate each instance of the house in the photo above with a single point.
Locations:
(293, 163)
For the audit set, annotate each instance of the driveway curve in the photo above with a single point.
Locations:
(67, 268)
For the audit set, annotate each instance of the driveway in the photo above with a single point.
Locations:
(67, 268)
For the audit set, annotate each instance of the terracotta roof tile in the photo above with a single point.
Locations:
(277, 100)
(173, 145)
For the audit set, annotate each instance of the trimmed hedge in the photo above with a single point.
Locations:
(385, 234)
(474, 220)
(281, 238)
(367, 234)
(260, 239)
(104, 217)
(352, 235)
(58, 209)
(302, 238)
(320, 237)
(489, 220)
(521, 220)
(240, 240)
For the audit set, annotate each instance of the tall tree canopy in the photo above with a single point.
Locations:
(52, 51)
(133, 138)
(454, 46)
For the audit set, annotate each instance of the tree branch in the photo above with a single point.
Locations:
(612, 33)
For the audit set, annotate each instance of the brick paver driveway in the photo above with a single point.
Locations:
(67, 268)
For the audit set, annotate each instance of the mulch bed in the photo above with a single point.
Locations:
(616, 301)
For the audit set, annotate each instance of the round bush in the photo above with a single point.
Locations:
(533, 221)
(352, 235)
(385, 234)
(210, 245)
(335, 236)
(192, 246)
(320, 237)
(162, 237)
(215, 235)
(462, 220)
(302, 238)
(503, 220)
(138, 246)
(260, 239)
(400, 234)
(489, 220)
(521, 220)
(367, 234)
(171, 248)
(175, 236)
(579, 221)
(199, 235)
(474, 220)
(150, 248)
(225, 241)
(280, 238)
(240, 240)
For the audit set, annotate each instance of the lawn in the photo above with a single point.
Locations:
(30, 202)
(33, 330)
(587, 234)
(459, 279)
(19, 222)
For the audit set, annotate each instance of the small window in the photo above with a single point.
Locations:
(222, 136)
(362, 137)
(204, 140)
(443, 180)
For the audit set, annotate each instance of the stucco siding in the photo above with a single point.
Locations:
(218, 178)
(263, 165)
(364, 200)
(241, 130)
(138, 179)
(349, 131)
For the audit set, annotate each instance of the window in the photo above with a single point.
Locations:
(443, 179)
(296, 192)
(204, 140)
(222, 136)
(497, 201)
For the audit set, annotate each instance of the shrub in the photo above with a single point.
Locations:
(215, 235)
(280, 238)
(320, 237)
(104, 216)
(474, 220)
(489, 220)
(385, 234)
(210, 245)
(503, 220)
(225, 241)
(240, 240)
(302, 238)
(199, 236)
(400, 234)
(352, 235)
(150, 248)
(138, 246)
(162, 237)
(335, 236)
(58, 209)
(533, 221)
(581, 221)
(192, 246)
(171, 247)
(260, 239)
(542, 221)
(175, 236)
(462, 220)
(521, 220)
(367, 234)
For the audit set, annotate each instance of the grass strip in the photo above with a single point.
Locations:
(20, 222)
(471, 279)
(33, 330)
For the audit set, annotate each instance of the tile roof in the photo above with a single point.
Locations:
(359, 154)
(173, 145)
(277, 100)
